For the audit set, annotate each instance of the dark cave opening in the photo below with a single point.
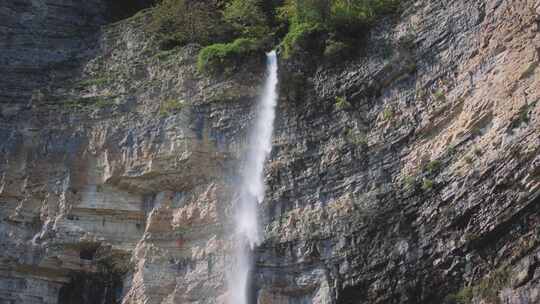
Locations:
(87, 254)
(88, 251)
(87, 288)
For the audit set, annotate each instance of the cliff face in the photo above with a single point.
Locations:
(419, 184)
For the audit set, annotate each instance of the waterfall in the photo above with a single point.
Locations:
(251, 188)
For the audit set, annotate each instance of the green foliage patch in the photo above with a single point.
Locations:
(171, 106)
(234, 29)
(247, 18)
(427, 184)
(216, 57)
(356, 138)
(88, 102)
(340, 20)
(439, 95)
(178, 22)
(487, 288)
(342, 103)
(433, 166)
(409, 181)
(336, 50)
(388, 113)
(99, 81)
(299, 37)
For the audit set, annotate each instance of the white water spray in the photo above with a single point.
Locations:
(251, 189)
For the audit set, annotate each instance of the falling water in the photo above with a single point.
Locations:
(251, 189)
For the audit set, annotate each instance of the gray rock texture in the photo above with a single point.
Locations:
(117, 162)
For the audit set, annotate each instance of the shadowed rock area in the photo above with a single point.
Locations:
(419, 184)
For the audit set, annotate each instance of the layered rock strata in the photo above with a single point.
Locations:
(419, 184)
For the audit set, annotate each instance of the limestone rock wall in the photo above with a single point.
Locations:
(425, 188)
(117, 162)
(107, 194)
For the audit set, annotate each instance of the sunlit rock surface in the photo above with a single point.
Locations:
(427, 183)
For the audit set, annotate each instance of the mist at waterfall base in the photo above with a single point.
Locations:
(251, 189)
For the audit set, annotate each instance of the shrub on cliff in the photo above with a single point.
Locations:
(301, 36)
(336, 50)
(247, 18)
(178, 22)
(223, 56)
(319, 27)
(341, 20)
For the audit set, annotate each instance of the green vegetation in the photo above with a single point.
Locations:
(388, 113)
(345, 17)
(433, 166)
(487, 289)
(216, 57)
(464, 296)
(356, 138)
(439, 95)
(476, 131)
(478, 151)
(299, 37)
(165, 55)
(247, 18)
(411, 67)
(94, 81)
(88, 102)
(409, 181)
(336, 49)
(470, 236)
(102, 103)
(231, 30)
(523, 115)
(451, 150)
(342, 103)
(427, 184)
(171, 106)
(529, 70)
(337, 20)
(178, 22)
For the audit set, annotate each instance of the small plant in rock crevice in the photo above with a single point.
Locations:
(409, 181)
(388, 113)
(94, 82)
(336, 50)
(171, 106)
(478, 151)
(356, 138)
(342, 103)
(476, 131)
(427, 184)
(94, 102)
(439, 95)
(451, 150)
(523, 115)
(433, 166)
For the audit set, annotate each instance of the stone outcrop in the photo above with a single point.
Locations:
(419, 184)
